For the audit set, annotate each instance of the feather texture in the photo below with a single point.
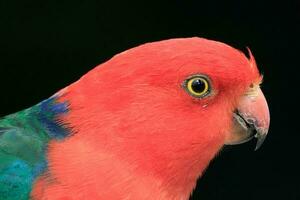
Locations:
(23, 140)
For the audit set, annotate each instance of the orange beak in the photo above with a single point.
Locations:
(251, 119)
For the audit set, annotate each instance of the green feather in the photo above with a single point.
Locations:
(23, 141)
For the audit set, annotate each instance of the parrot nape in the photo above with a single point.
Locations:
(143, 125)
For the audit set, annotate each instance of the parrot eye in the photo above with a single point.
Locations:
(198, 86)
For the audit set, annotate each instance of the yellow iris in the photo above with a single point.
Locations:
(197, 86)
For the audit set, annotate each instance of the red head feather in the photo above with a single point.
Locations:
(137, 133)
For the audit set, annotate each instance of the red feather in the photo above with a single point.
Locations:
(137, 134)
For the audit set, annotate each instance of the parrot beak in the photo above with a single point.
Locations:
(251, 119)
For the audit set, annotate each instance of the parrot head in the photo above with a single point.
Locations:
(155, 115)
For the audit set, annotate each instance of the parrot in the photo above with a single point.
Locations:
(143, 125)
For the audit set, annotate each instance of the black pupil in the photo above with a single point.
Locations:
(198, 85)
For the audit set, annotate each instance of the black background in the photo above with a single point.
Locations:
(44, 46)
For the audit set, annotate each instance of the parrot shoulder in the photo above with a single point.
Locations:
(23, 143)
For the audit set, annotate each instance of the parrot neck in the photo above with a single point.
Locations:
(111, 177)
(178, 178)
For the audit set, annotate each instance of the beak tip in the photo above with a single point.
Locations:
(260, 136)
